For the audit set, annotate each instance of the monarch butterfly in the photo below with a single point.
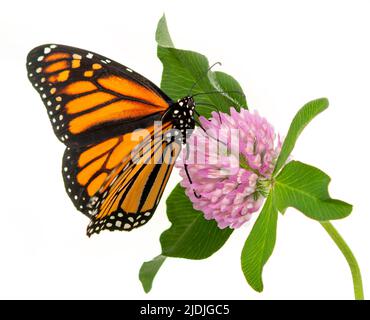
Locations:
(95, 105)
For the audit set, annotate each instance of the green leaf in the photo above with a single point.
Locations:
(309, 111)
(191, 236)
(306, 188)
(260, 244)
(183, 68)
(149, 270)
(162, 35)
(225, 82)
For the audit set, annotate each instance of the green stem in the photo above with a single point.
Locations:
(353, 265)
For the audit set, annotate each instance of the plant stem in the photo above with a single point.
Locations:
(353, 265)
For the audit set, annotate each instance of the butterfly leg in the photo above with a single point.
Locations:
(187, 172)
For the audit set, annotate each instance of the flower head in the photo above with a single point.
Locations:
(228, 164)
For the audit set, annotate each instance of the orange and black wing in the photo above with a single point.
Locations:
(130, 195)
(113, 173)
(90, 98)
(118, 183)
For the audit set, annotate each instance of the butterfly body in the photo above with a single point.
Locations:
(121, 131)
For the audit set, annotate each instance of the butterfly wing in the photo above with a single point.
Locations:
(129, 197)
(95, 105)
(85, 169)
(90, 172)
(90, 98)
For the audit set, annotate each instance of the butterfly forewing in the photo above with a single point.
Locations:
(89, 97)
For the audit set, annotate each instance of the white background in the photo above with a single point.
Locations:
(284, 53)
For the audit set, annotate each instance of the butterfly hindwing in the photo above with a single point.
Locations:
(131, 196)
(89, 97)
(87, 168)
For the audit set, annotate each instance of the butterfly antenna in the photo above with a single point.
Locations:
(202, 77)
(219, 92)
